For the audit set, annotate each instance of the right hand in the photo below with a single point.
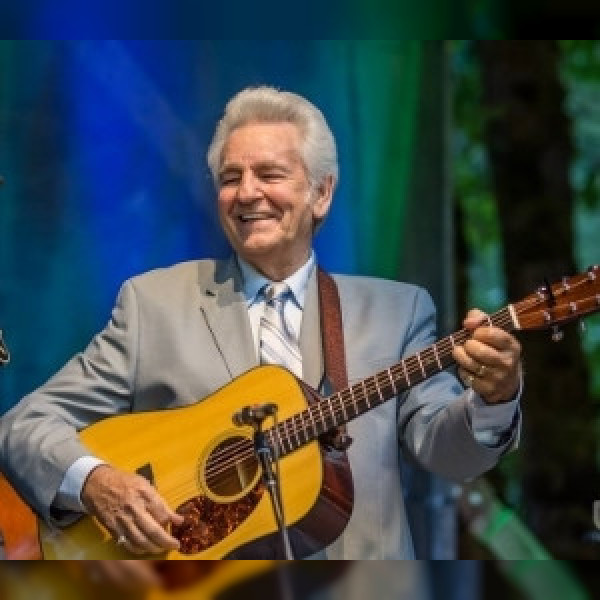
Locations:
(129, 506)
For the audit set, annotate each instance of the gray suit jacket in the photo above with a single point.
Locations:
(179, 333)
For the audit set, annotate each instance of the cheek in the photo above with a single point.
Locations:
(224, 204)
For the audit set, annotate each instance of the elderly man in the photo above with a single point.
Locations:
(178, 334)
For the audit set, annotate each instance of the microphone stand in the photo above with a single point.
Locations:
(263, 453)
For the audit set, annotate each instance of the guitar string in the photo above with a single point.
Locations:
(229, 456)
(291, 427)
(372, 384)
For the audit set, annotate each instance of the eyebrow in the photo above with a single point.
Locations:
(261, 166)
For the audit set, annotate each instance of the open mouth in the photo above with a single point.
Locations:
(251, 217)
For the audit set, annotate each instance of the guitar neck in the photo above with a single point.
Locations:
(359, 398)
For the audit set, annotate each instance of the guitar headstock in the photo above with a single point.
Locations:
(559, 303)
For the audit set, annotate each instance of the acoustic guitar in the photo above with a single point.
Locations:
(206, 469)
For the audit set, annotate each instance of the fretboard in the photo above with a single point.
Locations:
(359, 398)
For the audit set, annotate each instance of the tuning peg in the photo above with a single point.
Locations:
(550, 294)
(557, 334)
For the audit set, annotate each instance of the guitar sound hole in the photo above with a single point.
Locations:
(231, 467)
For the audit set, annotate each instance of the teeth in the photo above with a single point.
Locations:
(253, 216)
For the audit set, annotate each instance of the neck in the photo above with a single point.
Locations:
(277, 270)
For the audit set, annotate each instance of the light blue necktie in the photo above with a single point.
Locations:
(278, 341)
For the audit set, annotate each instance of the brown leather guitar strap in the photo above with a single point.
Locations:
(332, 335)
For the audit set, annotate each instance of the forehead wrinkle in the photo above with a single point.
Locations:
(264, 138)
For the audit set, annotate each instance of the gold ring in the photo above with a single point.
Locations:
(470, 380)
(482, 369)
(122, 540)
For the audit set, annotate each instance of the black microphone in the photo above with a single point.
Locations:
(252, 415)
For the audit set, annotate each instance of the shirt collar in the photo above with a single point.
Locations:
(253, 281)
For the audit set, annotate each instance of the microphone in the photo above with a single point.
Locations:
(252, 415)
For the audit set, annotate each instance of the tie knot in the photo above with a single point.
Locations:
(276, 291)
(278, 341)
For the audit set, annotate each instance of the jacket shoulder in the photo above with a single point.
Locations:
(375, 286)
(375, 296)
(183, 274)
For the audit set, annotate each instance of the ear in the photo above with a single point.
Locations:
(322, 202)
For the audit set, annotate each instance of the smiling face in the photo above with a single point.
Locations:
(266, 203)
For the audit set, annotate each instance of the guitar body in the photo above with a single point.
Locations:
(205, 468)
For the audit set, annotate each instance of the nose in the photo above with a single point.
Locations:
(249, 188)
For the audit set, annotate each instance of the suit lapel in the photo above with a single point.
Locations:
(310, 335)
(224, 308)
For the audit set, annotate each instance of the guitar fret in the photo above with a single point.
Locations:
(389, 372)
(421, 365)
(354, 401)
(332, 412)
(289, 439)
(282, 433)
(271, 441)
(296, 432)
(405, 373)
(280, 446)
(364, 384)
(280, 442)
(513, 316)
(314, 423)
(343, 406)
(303, 425)
(437, 356)
(378, 388)
(413, 367)
(322, 416)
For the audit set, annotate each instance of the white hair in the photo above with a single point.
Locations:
(266, 104)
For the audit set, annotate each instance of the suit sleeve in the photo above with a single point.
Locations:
(38, 437)
(433, 419)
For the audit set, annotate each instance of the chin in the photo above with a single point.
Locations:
(256, 250)
(259, 244)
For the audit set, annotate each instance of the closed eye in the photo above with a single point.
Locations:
(271, 176)
(228, 179)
